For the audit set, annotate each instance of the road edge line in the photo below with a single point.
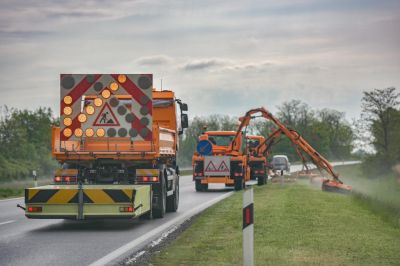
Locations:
(11, 199)
(176, 221)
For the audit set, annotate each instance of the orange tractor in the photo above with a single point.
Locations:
(334, 184)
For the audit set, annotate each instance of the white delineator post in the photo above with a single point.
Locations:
(248, 227)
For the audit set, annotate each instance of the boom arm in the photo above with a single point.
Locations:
(266, 145)
(293, 136)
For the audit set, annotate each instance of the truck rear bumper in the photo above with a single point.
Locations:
(218, 180)
(96, 201)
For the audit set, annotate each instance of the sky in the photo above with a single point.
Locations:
(220, 56)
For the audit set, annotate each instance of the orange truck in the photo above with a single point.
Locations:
(117, 147)
(216, 162)
(257, 159)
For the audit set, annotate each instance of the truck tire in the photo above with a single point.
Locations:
(200, 187)
(252, 175)
(261, 180)
(147, 216)
(239, 184)
(159, 211)
(173, 200)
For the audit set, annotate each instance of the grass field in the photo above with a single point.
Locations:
(295, 224)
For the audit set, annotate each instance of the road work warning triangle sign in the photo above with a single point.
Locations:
(223, 167)
(106, 117)
(210, 167)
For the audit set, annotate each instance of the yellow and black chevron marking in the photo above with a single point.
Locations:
(65, 196)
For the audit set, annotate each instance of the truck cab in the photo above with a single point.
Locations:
(257, 160)
(225, 164)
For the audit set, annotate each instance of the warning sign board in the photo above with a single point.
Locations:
(217, 166)
(106, 117)
(106, 105)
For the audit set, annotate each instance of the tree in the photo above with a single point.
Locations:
(378, 108)
(25, 142)
(382, 118)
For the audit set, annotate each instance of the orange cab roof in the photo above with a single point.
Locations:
(225, 133)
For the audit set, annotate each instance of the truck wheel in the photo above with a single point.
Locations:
(173, 200)
(159, 211)
(147, 216)
(261, 180)
(239, 184)
(252, 176)
(200, 186)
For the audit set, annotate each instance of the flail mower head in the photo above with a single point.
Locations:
(333, 185)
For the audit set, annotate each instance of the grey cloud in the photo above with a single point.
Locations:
(224, 65)
(154, 60)
(204, 64)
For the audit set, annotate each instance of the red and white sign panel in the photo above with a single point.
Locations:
(106, 105)
(217, 165)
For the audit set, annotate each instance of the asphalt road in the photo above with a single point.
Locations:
(57, 242)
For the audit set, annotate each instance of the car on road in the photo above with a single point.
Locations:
(280, 162)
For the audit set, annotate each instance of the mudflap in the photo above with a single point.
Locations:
(87, 201)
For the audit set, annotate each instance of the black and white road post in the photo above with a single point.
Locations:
(34, 176)
(248, 227)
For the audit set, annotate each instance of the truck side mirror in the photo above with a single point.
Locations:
(184, 121)
(184, 107)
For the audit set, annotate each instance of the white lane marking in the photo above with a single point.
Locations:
(11, 199)
(7, 222)
(156, 231)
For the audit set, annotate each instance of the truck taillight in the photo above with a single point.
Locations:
(126, 209)
(34, 209)
(69, 179)
(147, 178)
(66, 179)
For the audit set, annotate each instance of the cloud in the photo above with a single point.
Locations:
(154, 60)
(202, 64)
(24, 34)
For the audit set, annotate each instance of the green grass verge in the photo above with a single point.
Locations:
(16, 188)
(11, 193)
(294, 225)
(381, 194)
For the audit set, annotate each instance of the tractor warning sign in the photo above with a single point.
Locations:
(106, 117)
(217, 165)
